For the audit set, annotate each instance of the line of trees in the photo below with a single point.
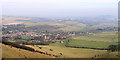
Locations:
(113, 48)
(18, 46)
(26, 48)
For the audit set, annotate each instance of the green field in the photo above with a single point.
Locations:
(91, 44)
(16, 40)
(104, 37)
(98, 40)
(26, 37)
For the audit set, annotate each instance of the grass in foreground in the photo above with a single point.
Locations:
(72, 52)
(8, 52)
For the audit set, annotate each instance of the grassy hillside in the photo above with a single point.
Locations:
(65, 26)
(12, 52)
(70, 52)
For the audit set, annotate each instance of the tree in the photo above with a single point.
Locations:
(113, 47)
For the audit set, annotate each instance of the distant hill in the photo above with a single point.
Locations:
(65, 24)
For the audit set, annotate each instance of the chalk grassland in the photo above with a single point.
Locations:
(44, 49)
(99, 40)
(69, 52)
(8, 52)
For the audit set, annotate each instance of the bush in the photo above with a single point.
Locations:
(113, 48)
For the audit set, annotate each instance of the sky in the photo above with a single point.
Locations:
(59, 8)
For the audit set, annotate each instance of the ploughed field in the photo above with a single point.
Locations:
(98, 40)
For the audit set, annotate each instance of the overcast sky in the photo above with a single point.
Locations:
(59, 8)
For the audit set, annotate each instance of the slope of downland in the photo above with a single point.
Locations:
(12, 52)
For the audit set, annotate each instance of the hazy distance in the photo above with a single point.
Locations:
(59, 8)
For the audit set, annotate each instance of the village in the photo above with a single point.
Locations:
(18, 33)
(31, 37)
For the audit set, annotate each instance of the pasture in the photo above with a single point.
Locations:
(90, 44)
(103, 37)
(98, 40)
(68, 52)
